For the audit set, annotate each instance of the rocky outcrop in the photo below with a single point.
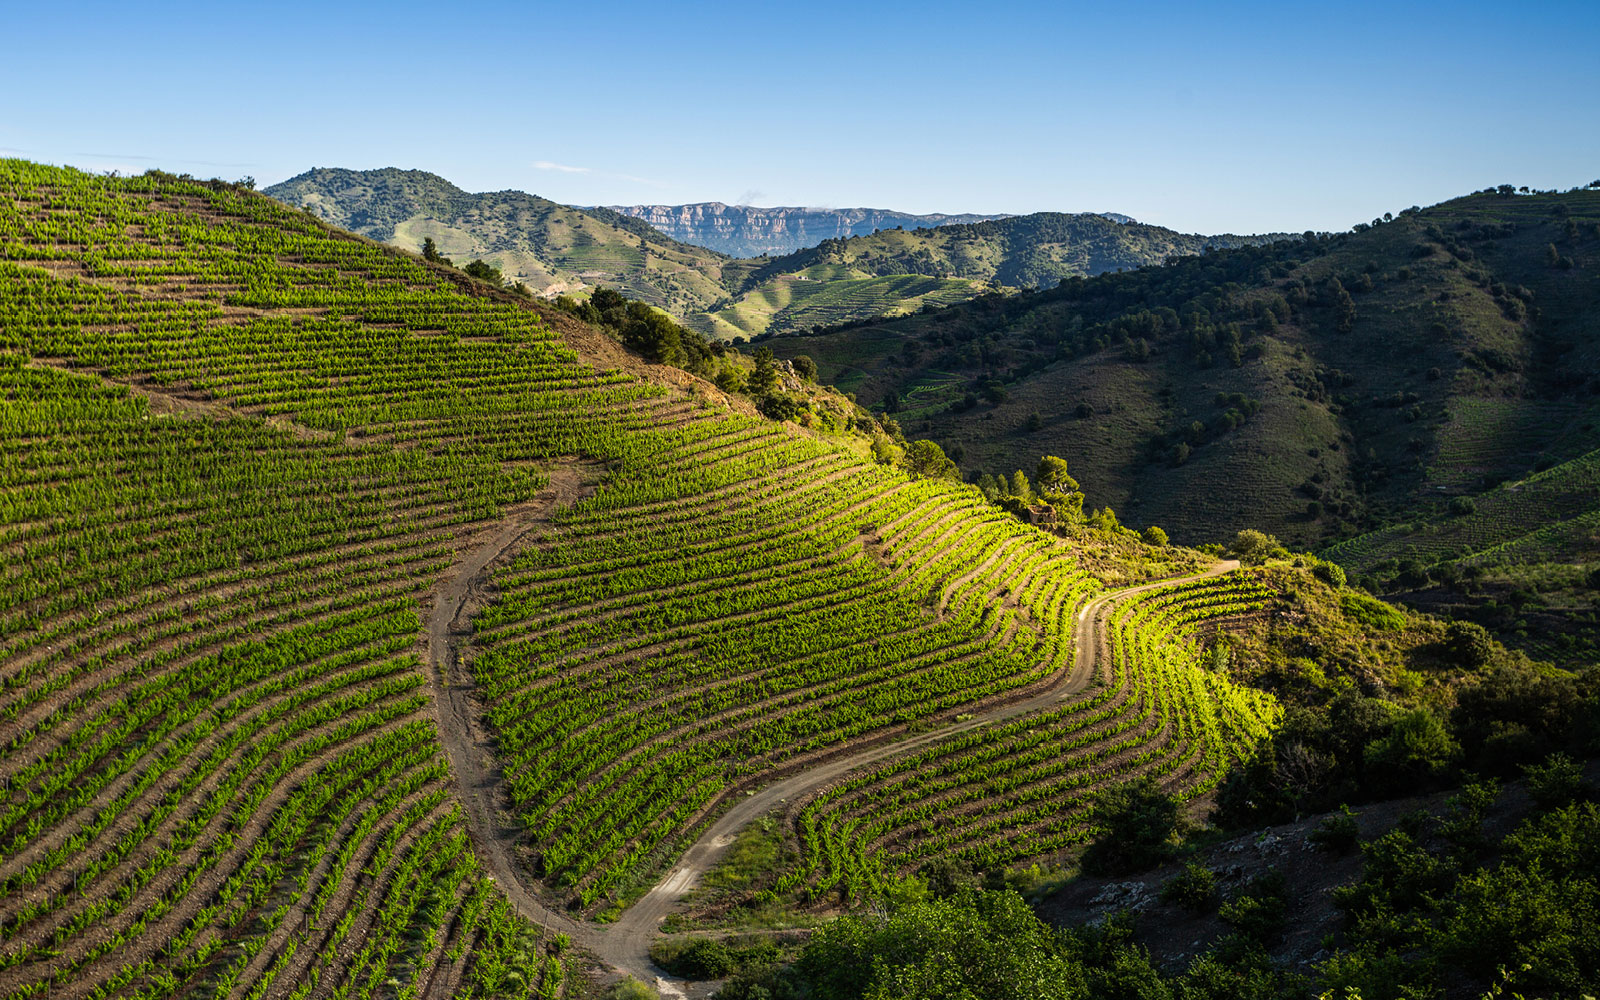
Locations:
(750, 231)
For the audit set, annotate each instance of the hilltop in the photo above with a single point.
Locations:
(751, 231)
(899, 271)
(1429, 382)
(553, 249)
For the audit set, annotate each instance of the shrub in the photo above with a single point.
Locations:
(1469, 644)
(1252, 546)
(702, 958)
(1258, 910)
(1140, 826)
(1154, 536)
(1329, 573)
(1194, 888)
(1371, 612)
(1337, 834)
(1555, 782)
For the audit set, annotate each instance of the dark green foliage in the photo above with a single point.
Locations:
(974, 945)
(1518, 715)
(1139, 829)
(1469, 644)
(804, 367)
(1538, 907)
(926, 460)
(1419, 915)
(1257, 911)
(1416, 754)
(430, 252)
(646, 330)
(1315, 760)
(1555, 782)
(485, 272)
(1337, 834)
(764, 377)
(703, 958)
(1194, 888)
(782, 406)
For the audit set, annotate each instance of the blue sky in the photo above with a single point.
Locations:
(1242, 117)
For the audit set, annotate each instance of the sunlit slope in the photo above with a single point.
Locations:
(242, 452)
(551, 248)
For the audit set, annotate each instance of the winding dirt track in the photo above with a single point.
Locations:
(625, 945)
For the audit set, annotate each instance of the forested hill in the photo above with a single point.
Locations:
(899, 271)
(1435, 375)
(751, 231)
(1037, 250)
(556, 249)
(551, 248)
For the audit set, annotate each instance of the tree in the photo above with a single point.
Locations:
(1020, 487)
(1252, 546)
(765, 376)
(1052, 475)
(730, 378)
(804, 367)
(430, 252)
(1153, 535)
(1035, 422)
(1416, 751)
(484, 271)
(1469, 644)
(926, 460)
(1344, 308)
(1139, 829)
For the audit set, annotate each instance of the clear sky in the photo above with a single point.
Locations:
(1208, 117)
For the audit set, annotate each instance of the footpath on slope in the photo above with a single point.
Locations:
(625, 944)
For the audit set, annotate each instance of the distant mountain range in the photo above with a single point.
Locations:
(853, 264)
(552, 248)
(748, 231)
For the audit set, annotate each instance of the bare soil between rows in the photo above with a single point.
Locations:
(624, 946)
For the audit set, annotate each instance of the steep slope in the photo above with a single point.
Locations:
(549, 247)
(554, 249)
(750, 231)
(899, 271)
(258, 472)
(1314, 389)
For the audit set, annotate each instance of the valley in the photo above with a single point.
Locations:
(377, 629)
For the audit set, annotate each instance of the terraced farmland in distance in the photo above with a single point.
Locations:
(246, 457)
(826, 295)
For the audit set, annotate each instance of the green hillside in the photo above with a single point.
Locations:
(1316, 389)
(554, 249)
(898, 271)
(551, 248)
(367, 632)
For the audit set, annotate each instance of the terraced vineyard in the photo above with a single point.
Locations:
(246, 454)
(1536, 513)
(1019, 787)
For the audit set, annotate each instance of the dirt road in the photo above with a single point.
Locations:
(625, 945)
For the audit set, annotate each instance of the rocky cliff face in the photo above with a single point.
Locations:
(749, 231)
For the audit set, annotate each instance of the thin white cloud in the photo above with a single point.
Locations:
(564, 168)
